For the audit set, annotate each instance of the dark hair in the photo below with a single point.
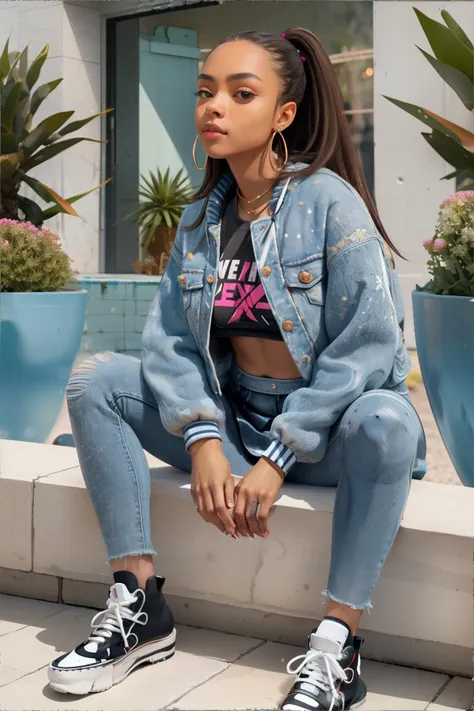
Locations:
(319, 134)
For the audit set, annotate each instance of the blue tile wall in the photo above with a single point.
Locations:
(116, 312)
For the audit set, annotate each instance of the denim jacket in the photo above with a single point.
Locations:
(332, 291)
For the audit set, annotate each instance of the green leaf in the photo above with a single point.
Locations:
(52, 151)
(57, 209)
(446, 46)
(8, 142)
(42, 93)
(44, 130)
(450, 150)
(77, 125)
(31, 210)
(4, 62)
(10, 104)
(36, 66)
(456, 29)
(420, 113)
(9, 164)
(458, 82)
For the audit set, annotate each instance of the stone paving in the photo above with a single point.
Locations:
(210, 670)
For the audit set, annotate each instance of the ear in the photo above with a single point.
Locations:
(285, 116)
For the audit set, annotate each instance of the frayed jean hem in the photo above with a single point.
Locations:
(135, 554)
(367, 607)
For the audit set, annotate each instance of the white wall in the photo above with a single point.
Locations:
(74, 35)
(407, 170)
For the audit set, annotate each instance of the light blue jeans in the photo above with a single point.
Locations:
(374, 451)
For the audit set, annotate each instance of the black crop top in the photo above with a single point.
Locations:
(241, 307)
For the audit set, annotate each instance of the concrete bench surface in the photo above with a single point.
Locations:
(423, 612)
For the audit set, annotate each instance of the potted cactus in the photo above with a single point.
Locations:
(444, 309)
(41, 324)
(41, 312)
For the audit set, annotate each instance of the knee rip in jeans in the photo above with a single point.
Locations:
(80, 377)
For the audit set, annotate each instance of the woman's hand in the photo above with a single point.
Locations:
(212, 485)
(259, 486)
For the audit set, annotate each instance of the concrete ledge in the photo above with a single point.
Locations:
(423, 613)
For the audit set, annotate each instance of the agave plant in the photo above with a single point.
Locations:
(454, 62)
(163, 200)
(23, 146)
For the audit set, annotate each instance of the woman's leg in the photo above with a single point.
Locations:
(114, 417)
(371, 457)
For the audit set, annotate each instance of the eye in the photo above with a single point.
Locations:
(245, 94)
(203, 94)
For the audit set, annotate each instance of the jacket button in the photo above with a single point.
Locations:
(288, 325)
(266, 271)
(305, 277)
(210, 279)
(182, 279)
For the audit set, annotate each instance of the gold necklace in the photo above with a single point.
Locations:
(239, 195)
(258, 209)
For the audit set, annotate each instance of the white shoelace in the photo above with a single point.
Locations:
(113, 618)
(320, 669)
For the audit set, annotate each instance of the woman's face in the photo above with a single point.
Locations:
(236, 110)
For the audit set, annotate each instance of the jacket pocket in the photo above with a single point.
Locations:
(191, 284)
(305, 278)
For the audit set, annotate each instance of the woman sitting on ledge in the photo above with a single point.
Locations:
(272, 352)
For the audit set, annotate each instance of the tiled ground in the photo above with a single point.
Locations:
(210, 670)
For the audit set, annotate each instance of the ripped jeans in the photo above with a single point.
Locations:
(374, 451)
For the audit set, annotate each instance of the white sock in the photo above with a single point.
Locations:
(331, 636)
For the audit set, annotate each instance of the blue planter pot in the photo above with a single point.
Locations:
(40, 336)
(444, 327)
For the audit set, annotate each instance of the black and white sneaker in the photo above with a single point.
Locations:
(327, 679)
(136, 628)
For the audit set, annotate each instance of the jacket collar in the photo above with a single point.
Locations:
(215, 205)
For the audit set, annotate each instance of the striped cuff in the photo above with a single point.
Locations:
(281, 455)
(200, 430)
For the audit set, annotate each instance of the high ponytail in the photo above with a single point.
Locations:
(319, 134)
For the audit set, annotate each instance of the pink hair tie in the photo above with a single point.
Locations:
(282, 34)
(303, 59)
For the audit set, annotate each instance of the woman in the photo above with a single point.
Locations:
(272, 352)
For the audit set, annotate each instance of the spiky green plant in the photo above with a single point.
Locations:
(31, 259)
(24, 146)
(162, 202)
(454, 62)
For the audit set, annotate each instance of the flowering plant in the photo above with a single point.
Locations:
(451, 249)
(31, 258)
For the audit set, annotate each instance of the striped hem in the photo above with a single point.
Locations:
(281, 455)
(200, 430)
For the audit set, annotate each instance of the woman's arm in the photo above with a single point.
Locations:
(172, 365)
(364, 337)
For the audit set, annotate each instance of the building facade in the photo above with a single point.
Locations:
(140, 57)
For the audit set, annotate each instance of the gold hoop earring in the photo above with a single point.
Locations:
(194, 156)
(285, 151)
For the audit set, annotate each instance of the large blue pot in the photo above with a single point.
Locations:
(40, 336)
(444, 327)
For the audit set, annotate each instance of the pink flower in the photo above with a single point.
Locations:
(461, 195)
(427, 243)
(439, 244)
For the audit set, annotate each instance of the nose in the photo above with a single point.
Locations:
(215, 106)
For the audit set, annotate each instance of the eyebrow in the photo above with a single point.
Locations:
(231, 77)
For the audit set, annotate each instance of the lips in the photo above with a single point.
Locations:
(212, 128)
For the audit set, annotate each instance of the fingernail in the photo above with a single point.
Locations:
(266, 534)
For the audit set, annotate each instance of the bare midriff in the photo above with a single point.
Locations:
(264, 358)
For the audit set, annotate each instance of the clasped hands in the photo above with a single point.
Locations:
(240, 509)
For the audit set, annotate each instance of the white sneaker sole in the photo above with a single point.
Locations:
(90, 680)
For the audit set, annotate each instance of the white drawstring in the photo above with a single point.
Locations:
(113, 618)
(319, 669)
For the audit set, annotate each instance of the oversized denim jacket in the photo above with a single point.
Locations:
(332, 291)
